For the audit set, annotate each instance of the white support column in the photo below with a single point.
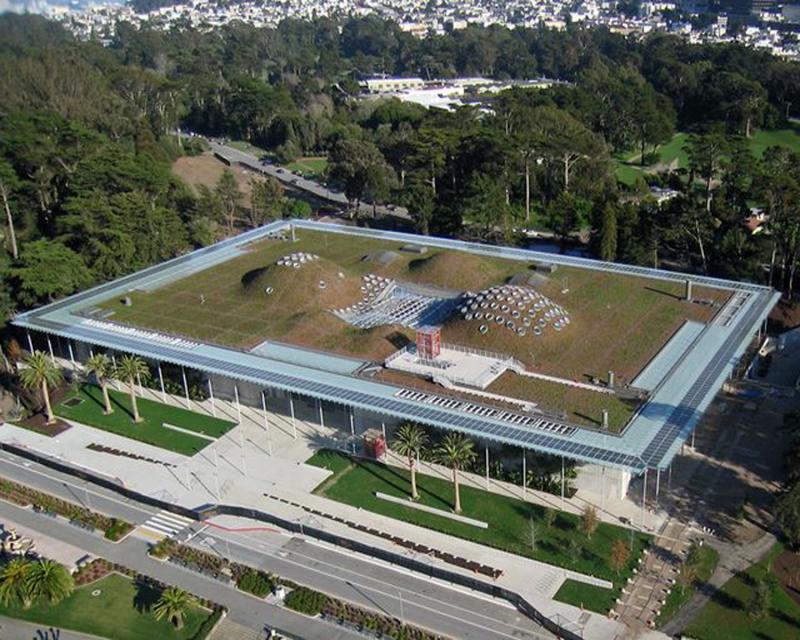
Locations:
(321, 417)
(693, 430)
(562, 483)
(603, 488)
(644, 495)
(211, 396)
(524, 476)
(294, 420)
(266, 421)
(669, 478)
(161, 384)
(50, 348)
(186, 388)
(238, 406)
(486, 465)
(30, 342)
(71, 353)
(91, 353)
(658, 484)
(385, 444)
(352, 431)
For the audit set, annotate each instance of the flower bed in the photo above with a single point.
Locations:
(22, 495)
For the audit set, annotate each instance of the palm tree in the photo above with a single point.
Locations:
(129, 369)
(14, 583)
(173, 605)
(409, 440)
(40, 373)
(456, 451)
(49, 580)
(100, 365)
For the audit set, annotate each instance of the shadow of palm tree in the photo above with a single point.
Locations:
(147, 594)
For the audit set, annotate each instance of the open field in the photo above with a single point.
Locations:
(313, 167)
(562, 543)
(674, 155)
(154, 414)
(726, 615)
(121, 610)
(206, 170)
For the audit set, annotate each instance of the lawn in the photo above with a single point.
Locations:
(628, 168)
(313, 167)
(726, 615)
(151, 430)
(562, 543)
(120, 611)
(707, 562)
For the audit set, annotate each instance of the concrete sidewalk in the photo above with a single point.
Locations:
(238, 469)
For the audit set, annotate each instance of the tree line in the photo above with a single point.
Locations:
(88, 133)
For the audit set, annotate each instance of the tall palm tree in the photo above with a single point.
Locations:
(14, 583)
(129, 369)
(408, 442)
(100, 365)
(40, 373)
(49, 580)
(456, 451)
(173, 605)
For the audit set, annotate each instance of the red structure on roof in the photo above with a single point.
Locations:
(429, 342)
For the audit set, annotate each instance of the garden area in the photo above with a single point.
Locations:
(85, 405)
(19, 494)
(757, 604)
(113, 607)
(515, 526)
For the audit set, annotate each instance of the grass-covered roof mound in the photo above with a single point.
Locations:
(313, 285)
(458, 271)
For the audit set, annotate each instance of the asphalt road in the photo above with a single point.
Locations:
(415, 599)
(303, 184)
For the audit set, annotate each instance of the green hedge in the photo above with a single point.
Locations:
(306, 601)
(256, 582)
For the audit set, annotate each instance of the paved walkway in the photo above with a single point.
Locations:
(11, 629)
(238, 469)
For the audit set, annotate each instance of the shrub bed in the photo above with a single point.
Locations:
(23, 495)
(306, 601)
(253, 581)
(312, 603)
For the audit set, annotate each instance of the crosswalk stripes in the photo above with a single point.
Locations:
(164, 524)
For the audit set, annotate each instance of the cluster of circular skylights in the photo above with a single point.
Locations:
(521, 310)
(296, 260)
(371, 287)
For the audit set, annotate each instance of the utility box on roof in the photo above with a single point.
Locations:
(429, 342)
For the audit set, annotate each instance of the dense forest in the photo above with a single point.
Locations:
(88, 134)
